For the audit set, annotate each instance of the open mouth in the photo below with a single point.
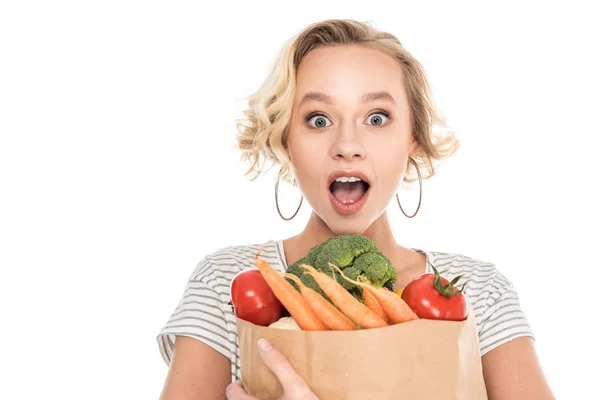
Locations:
(348, 189)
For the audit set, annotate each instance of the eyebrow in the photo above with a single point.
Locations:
(378, 96)
(367, 97)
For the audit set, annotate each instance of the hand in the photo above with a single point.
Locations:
(294, 387)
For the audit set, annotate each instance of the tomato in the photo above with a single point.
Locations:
(253, 300)
(431, 296)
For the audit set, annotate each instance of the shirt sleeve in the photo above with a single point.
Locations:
(200, 315)
(504, 319)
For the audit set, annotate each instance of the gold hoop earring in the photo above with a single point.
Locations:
(277, 200)
(420, 191)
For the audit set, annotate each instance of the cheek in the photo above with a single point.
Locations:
(390, 167)
(304, 163)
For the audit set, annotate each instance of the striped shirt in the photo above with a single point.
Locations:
(203, 311)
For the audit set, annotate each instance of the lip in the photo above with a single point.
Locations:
(352, 208)
(349, 209)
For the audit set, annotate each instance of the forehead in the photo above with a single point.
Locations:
(349, 71)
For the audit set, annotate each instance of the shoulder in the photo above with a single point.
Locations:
(226, 262)
(484, 281)
(477, 275)
(203, 311)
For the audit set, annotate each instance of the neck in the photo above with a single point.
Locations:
(316, 231)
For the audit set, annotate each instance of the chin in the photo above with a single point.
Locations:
(346, 226)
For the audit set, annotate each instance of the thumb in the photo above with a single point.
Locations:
(293, 385)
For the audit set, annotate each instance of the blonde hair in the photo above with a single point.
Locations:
(262, 134)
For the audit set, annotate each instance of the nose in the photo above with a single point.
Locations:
(347, 146)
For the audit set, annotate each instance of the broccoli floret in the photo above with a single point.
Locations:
(355, 255)
(311, 256)
(351, 272)
(377, 268)
(338, 252)
(360, 245)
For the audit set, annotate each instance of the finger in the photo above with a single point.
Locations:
(293, 385)
(235, 391)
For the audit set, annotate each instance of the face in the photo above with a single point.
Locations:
(350, 134)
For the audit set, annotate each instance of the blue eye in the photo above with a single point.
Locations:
(378, 118)
(318, 121)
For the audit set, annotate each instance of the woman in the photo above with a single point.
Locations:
(346, 114)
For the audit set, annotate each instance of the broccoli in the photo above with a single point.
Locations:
(377, 269)
(355, 255)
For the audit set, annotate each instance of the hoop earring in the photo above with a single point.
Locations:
(277, 201)
(420, 191)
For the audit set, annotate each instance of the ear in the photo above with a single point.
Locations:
(285, 144)
(288, 153)
(414, 148)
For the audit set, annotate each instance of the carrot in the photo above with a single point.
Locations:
(291, 299)
(394, 306)
(348, 304)
(373, 304)
(331, 316)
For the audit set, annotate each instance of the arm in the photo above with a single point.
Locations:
(197, 342)
(197, 371)
(512, 371)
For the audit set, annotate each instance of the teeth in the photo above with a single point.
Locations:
(348, 179)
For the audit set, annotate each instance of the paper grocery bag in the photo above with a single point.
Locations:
(421, 359)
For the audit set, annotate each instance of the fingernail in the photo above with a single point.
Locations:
(264, 346)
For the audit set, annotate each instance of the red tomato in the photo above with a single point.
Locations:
(431, 296)
(253, 300)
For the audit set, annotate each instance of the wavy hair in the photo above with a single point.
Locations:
(262, 133)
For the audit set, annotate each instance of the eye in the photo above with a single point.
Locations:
(318, 121)
(378, 118)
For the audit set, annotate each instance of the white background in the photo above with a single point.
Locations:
(118, 171)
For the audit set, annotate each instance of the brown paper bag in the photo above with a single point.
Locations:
(421, 359)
